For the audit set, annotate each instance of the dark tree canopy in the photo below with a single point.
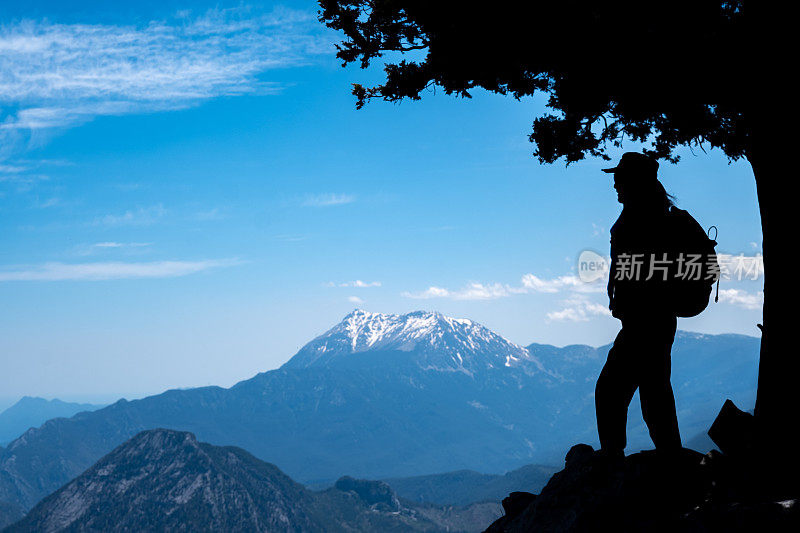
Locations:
(668, 73)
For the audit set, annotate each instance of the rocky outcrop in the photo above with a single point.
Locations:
(648, 491)
(377, 495)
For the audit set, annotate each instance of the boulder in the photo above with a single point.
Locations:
(646, 491)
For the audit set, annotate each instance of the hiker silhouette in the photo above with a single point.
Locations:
(641, 292)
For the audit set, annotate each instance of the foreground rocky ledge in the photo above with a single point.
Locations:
(648, 492)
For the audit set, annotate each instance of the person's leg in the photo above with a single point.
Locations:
(612, 396)
(655, 390)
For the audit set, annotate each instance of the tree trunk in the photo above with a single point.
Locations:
(778, 400)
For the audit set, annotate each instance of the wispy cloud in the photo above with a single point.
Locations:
(58, 75)
(112, 270)
(111, 246)
(327, 199)
(355, 300)
(141, 216)
(741, 298)
(49, 202)
(536, 284)
(12, 169)
(209, 215)
(490, 291)
(290, 238)
(473, 291)
(577, 307)
(358, 284)
(26, 170)
(21, 179)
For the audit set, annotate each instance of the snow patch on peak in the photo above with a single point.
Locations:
(365, 330)
(437, 342)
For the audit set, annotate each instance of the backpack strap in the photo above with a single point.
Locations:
(714, 240)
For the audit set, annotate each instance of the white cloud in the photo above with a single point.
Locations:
(743, 299)
(490, 291)
(473, 291)
(327, 200)
(58, 75)
(112, 270)
(355, 300)
(533, 283)
(430, 292)
(578, 309)
(357, 284)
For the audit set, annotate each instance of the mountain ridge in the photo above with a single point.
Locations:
(167, 480)
(463, 487)
(380, 414)
(32, 411)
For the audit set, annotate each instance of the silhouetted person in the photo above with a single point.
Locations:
(639, 296)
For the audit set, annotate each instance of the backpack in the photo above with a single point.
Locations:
(696, 267)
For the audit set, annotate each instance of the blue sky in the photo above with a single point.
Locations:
(188, 195)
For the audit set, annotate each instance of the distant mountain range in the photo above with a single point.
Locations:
(31, 412)
(164, 480)
(387, 396)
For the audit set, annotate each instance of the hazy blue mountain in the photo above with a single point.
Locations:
(31, 412)
(164, 480)
(467, 486)
(706, 369)
(700, 442)
(9, 513)
(382, 396)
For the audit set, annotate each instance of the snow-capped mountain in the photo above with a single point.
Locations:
(387, 396)
(434, 341)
